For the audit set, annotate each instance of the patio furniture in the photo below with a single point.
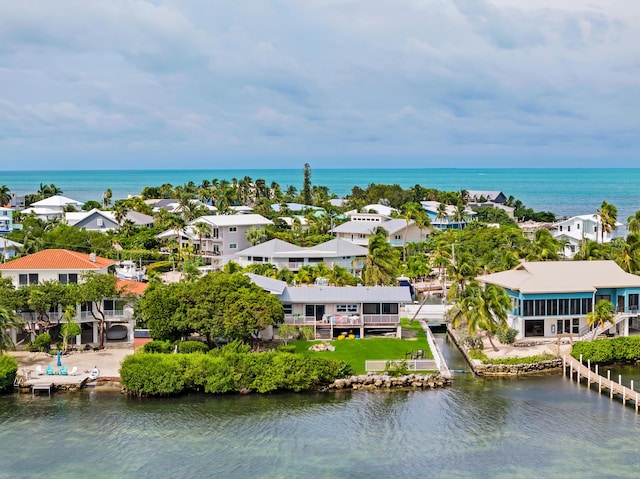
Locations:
(74, 371)
(39, 371)
(63, 371)
(50, 370)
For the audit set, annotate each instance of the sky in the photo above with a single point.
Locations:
(112, 84)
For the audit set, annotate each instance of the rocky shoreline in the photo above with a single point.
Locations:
(384, 381)
(551, 365)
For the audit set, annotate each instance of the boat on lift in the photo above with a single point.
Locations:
(127, 269)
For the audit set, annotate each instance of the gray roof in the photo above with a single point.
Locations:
(489, 195)
(366, 227)
(276, 248)
(563, 277)
(268, 284)
(346, 294)
(271, 248)
(340, 247)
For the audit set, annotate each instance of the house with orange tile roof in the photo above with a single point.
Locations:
(68, 267)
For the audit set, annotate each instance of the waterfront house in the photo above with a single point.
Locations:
(447, 216)
(574, 231)
(286, 255)
(68, 267)
(225, 235)
(52, 207)
(103, 221)
(486, 196)
(554, 297)
(335, 310)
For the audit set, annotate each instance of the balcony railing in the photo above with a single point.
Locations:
(345, 320)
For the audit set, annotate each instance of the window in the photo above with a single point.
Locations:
(26, 279)
(371, 308)
(398, 237)
(568, 228)
(233, 229)
(99, 222)
(233, 246)
(296, 260)
(541, 307)
(578, 226)
(602, 297)
(560, 227)
(316, 260)
(534, 328)
(587, 305)
(528, 307)
(65, 278)
(346, 308)
(564, 307)
(575, 306)
(389, 308)
(288, 308)
(552, 307)
(576, 325)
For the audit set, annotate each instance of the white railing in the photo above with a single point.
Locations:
(381, 319)
(298, 319)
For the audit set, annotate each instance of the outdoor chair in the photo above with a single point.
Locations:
(74, 371)
(39, 371)
(63, 371)
(50, 370)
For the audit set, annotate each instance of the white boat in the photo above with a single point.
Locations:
(127, 269)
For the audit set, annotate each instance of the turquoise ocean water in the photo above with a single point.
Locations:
(563, 191)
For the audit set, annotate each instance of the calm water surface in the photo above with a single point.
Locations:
(527, 428)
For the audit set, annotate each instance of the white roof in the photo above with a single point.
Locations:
(365, 227)
(276, 248)
(73, 218)
(379, 209)
(8, 244)
(563, 277)
(450, 210)
(57, 200)
(234, 220)
(268, 284)
(346, 294)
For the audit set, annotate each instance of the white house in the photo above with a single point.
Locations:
(363, 225)
(449, 217)
(577, 229)
(335, 310)
(8, 248)
(286, 255)
(225, 235)
(52, 207)
(68, 267)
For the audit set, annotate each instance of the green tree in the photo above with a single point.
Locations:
(307, 197)
(287, 332)
(94, 289)
(256, 235)
(8, 320)
(381, 263)
(633, 222)
(70, 328)
(608, 215)
(603, 313)
(106, 198)
(249, 310)
(5, 195)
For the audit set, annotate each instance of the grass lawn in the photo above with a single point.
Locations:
(357, 351)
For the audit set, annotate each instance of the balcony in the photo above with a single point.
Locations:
(345, 320)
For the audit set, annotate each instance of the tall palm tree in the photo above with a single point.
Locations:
(441, 213)
(544, 247)
(106, 198)
(203, 229)
(381, 263)
(607, 215)
(8, 320)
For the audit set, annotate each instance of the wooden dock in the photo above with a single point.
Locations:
(41, 387)
(583, 374)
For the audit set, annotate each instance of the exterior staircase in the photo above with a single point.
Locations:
(587, 334)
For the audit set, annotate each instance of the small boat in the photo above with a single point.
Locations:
(127, 269)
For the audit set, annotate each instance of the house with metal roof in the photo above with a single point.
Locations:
(52, 207)
(336, 310)
(286, 255)
(554, 297)
(444, 216)
(363, 226)
(8, 248)
(574, 231)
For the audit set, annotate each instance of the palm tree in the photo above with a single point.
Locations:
(441, 213)
(8, 320)
(464, 269)
(119, 213)
(5, 195)
(544, 247)
(604, 312)
(203, 229)
(106, 198)
(590, 250)
(607, 214)
(633, 222)
(380, 266)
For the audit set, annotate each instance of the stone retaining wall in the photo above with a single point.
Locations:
(517, 369)
(383, 381)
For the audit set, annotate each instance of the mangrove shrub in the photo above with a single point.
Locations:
(8, 370)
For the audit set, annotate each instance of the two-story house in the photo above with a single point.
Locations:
(68, 267)
(103, 221)
(555, 297)
(444, 216)
(286, 255)
(52, 207)
(6, 220)
(221, 237)
(362, 227)
(576, 230)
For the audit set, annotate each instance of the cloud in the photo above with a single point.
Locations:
(337, 79)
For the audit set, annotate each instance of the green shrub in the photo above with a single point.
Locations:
(471, 342)
(608, 350)
(396, 368)
(307, 333)
(42, 342)
(8, 370)
(192, 347)
(159, 347)
(520, 360)
(477, 354)
(508, 335)
(158, 375)
(288, 348)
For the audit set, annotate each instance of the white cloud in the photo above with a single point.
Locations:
(331, 77)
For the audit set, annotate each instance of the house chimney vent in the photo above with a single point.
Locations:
(92, 257)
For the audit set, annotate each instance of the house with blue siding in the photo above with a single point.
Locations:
(555, 297)
(6, 220)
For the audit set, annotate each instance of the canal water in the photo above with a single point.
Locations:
(501, 428)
